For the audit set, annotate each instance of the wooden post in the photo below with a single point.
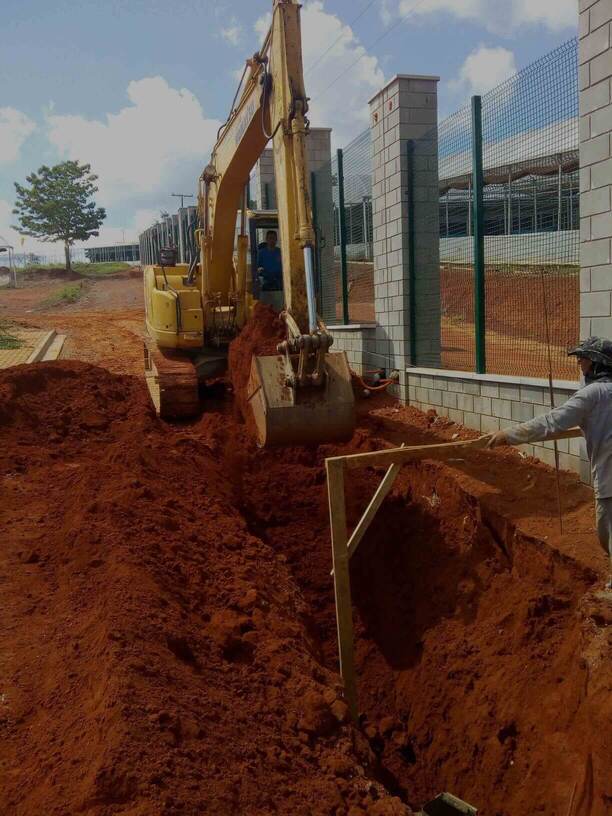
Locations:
(342, 585)
(378, 498)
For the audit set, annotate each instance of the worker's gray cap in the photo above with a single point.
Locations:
(597, 349)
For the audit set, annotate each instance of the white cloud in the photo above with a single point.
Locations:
(15, 127)
(386, 15)
(501, 16)
(161, 135)
(232, 33)
(484, 69)
(262, 24)
(344, 105)
(125, 233)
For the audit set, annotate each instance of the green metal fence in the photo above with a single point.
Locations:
(342, 206)
(512, 293)
(508, 227)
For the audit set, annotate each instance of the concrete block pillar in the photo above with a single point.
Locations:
(318, 153)
(595, 72)
(263, 190)
(406, 109)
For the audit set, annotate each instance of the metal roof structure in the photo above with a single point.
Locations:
(524, 154)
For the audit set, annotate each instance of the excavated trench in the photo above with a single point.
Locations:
(469, 637)
(170, 603)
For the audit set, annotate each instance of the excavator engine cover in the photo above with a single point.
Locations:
(301, 416)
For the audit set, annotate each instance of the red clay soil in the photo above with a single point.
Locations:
(169, 632)
(483, 658)
(260, 336)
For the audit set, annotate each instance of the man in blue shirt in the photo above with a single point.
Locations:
(269, 265)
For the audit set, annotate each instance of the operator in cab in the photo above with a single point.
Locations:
(591, 410)
(270, 271)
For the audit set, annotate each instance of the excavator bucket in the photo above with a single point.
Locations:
(304, 416)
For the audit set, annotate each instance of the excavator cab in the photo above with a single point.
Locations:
(260, 222)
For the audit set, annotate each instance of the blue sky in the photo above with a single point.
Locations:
(138, 87)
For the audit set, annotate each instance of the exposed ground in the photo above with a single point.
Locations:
(105, 326)
(168, 642)
(518, 301)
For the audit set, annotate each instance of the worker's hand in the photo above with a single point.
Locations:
(497, 439)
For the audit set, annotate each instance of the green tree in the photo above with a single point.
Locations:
(56, 205)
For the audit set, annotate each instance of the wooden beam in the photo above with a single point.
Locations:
(573, 433)
(394, 456)
(368, 517)
(382, 491)
(342, 583)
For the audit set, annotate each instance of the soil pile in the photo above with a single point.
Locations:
(169, 642)
(261, 335)
(157, 656)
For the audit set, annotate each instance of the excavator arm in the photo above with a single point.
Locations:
(272, 105)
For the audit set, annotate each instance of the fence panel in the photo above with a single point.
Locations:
(356, 166)
(531, 224)
(456, 250)
(530, 140)
(324, 183)
(358, 223)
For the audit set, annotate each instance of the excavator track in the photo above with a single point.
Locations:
(172, 380)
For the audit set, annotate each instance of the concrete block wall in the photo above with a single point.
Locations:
(405, 109)
(595, 72)
(488, 403)
(318, 152)
(359, 343)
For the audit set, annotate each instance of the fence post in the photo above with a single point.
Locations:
(411, 269)
(478, 222)
(342, 228)
(317, 248)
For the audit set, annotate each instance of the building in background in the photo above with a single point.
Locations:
(129, 253)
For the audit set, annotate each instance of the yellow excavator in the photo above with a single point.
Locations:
(303, 394)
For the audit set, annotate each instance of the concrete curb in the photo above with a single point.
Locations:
(41, 348)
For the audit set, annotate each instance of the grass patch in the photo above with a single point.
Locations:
(67, 294)
(8, 340)
(99, 270)
(85, 270)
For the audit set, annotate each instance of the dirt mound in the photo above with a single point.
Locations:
(157, 655)
(47, 402)
(260, 336)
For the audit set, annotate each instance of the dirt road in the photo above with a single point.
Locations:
(105, 326)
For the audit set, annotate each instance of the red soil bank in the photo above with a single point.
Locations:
(483, 657)
(169, 636)
(155, 653)
(261, 335)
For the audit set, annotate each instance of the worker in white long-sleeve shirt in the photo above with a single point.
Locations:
(591, 410)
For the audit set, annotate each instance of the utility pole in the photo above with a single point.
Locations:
(182, 196)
